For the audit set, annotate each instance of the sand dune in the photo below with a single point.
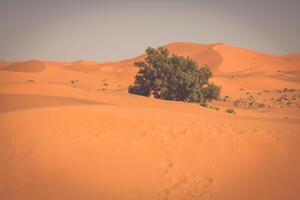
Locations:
(70, 130)
(243, 61)
(27, 66)
(4, 63)
(151, 154)
(223, 59)
(203, 54)
(16, 102)
(83, 66)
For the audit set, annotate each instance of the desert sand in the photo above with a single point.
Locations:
(70, 130)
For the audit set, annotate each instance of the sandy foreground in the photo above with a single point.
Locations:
(71, 131)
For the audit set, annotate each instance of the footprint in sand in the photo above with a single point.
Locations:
(165, 181)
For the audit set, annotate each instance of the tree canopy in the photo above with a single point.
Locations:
(173, 78)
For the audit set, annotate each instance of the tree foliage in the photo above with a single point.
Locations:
(173, 78)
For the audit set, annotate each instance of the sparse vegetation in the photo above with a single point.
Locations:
(249, 103)
(173, 78)
(203, 104)
(289, 90)
(213, 107)
(207, 105)
(74, 81)
(230, 110)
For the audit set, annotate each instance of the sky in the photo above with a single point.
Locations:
(107, 30)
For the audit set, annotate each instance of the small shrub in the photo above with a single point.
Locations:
(230, 110)
(30, 81)
(206, 105)
(74, 81)
(203, 104)
(214, 107)
(105, 84)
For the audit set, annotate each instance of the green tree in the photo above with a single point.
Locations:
(173, 78)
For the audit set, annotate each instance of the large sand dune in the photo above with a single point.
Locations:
(223, 59)
(71, 131)
(27, 66)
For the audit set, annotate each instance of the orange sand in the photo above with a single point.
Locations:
(71, 131)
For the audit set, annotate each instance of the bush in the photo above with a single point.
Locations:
(203, 104)
(207, 105)
(173, 78)
(74, 81)
(229, 110)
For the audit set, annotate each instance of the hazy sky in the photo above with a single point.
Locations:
(115, 29)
